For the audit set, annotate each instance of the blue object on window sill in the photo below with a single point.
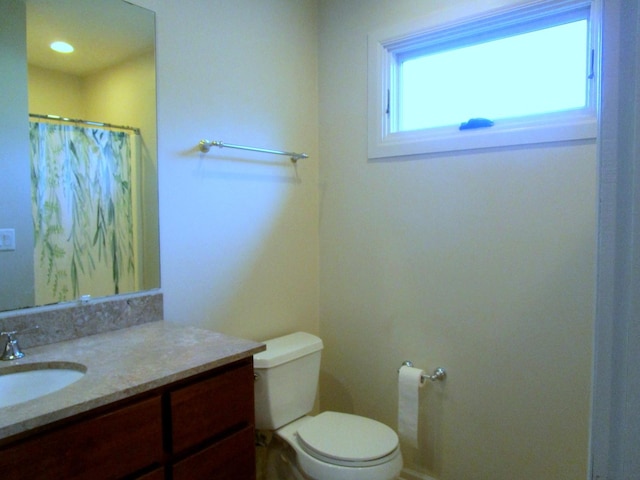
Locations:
(476, 123)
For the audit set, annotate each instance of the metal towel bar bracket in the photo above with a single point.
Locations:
(438, 373)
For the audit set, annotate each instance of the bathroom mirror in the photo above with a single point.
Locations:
(79, 209)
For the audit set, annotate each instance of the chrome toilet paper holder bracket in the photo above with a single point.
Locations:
(438, 374)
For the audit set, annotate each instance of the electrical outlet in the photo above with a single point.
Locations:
(7, 239)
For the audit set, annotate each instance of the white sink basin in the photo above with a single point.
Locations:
(20, 383)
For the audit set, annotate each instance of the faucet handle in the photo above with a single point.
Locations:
(12, 349)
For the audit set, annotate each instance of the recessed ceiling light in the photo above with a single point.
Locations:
(62, 47)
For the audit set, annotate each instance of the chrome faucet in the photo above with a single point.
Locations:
(11, 350)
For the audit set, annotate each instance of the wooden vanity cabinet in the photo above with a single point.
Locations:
(109, 445)
(210, 407)
(230, 458)
(212, 423)
(198, 428)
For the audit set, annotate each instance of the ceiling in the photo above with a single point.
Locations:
(103, 32)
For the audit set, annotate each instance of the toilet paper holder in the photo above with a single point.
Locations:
(438, 374)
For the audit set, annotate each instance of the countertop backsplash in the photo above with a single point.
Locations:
(71, 320)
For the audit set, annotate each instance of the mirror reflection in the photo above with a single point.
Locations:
(84, 164)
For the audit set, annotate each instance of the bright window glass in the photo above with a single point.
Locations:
(533, 73)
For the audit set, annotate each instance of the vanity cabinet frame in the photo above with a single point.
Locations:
(201, 427)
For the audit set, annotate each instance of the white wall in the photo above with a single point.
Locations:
(238, 230)
(482, 263)
(16, 266)
(615, 431)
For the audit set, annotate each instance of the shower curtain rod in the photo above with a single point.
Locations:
(205, 146)
(84, 122)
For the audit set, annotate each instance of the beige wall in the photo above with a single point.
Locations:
(239, 230)
(55, 93)
(482, 263)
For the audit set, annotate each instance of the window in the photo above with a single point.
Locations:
(528, 71)
(525, 74)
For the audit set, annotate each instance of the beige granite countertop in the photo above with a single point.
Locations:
(120, 364)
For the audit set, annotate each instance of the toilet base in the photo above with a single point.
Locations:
(276, 461)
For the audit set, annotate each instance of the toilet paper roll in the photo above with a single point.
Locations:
(409, 383)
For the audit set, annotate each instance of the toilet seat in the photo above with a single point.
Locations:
(308, 465)
(347, 440)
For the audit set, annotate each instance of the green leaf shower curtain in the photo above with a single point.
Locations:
(83, 215)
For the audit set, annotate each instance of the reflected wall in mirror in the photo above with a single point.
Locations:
(78, 210)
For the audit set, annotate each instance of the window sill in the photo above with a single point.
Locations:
(551, 128)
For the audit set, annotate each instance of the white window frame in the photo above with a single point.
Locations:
(386, 45)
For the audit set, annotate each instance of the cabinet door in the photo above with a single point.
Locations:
(110, 445)
(155, 475)
(211, 407)
(230, 459)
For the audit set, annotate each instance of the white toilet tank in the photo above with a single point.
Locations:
(286, 379)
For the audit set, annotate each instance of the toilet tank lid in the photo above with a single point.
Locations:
(284, 349)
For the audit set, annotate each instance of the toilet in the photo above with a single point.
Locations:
(329, 446)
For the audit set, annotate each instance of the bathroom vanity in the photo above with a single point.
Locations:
(157, 401)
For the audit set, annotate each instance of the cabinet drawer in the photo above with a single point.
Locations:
(230, 459)
(209, 407)
(110, 445)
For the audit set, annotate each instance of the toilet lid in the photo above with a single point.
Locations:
(347, 438)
